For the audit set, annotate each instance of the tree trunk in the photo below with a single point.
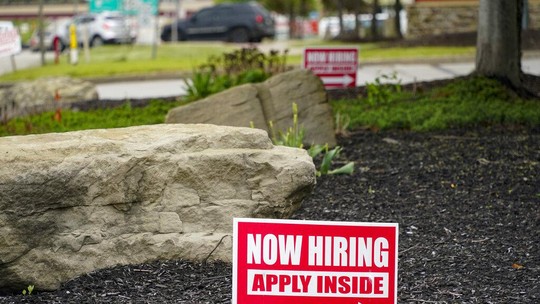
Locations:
(374, 30)
(303, 13)
(292, 21)
(398, 7)
(498, 49)
(340, 18)
(357, 24)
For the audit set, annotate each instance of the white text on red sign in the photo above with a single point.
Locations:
(318, 283)
(322, 251)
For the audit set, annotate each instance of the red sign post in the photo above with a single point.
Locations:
(336, 67)
(310, 262)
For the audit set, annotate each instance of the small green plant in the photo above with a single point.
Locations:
(28, 290)
(342, 124)
(200, 85)
(294, 137)
(328, 159)
(246, 65)
(381, 91)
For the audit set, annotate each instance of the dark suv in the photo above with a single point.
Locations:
(239, 22)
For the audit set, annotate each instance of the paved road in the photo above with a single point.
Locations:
(141, 89)
(407, 73)
(24, 60)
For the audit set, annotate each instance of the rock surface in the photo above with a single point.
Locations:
(31, 97)
(79, 201)
(268, 101)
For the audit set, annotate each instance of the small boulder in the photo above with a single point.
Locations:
(267, 101)
(44, 94)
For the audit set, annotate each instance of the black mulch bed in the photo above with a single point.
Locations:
(468, 206)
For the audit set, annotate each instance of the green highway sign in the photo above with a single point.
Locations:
(127, 7)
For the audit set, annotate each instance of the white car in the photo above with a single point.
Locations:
(57, 29)
(329, 26)
(101, 28)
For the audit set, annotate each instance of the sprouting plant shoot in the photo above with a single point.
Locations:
(328, 159)
(28, 290)
(294, 137)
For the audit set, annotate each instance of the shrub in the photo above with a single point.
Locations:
(246, 65)
(383, 89)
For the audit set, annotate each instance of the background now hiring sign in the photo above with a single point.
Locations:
(10, 40)
(336, 67)
(309, 262)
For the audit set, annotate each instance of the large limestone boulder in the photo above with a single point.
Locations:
(74, 202)
(44, 94)
(268, 101)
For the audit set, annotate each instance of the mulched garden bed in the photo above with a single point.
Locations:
(467, 202)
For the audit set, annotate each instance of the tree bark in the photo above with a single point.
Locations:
(498, 49)
(303, 13)
(340, 18)
(374, 30)
(292, 20)
(398, 7)
(357, 24)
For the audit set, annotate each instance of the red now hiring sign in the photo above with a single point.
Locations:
(311, 262)
(336, 67)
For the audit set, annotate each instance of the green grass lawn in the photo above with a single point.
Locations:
(116, 60)
(379, 52)
(113, 60)
(124, 116)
